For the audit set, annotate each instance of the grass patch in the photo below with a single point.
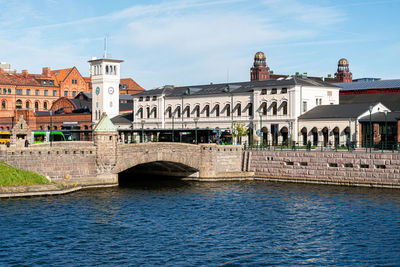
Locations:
(10, 176)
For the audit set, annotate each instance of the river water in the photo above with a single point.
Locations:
(191, 224)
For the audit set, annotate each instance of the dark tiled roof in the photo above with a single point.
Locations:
(123, 119)
(390, 100)
(336, 111)
(380, 117)
(380, 84)
(125, 106)
(82, 105)
(235, 88)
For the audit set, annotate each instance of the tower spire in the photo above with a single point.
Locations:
(105, 47)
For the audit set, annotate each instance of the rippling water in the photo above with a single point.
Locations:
(190, 223)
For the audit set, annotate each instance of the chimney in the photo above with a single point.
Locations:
(46, 71)
(24, 73)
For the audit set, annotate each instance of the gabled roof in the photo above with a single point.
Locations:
(132, 86)
(62, 74)
(379, 84)
(390, 100)
(380, 117)
(123, 119)
(336, 111)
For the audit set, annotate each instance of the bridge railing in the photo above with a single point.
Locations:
(339, 147)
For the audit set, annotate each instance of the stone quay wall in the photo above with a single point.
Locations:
(72, 162)
(343, 168)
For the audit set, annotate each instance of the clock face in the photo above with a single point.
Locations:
(110, 90)
(97, 90)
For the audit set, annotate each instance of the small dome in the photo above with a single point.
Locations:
(259, 56)
(343, 62)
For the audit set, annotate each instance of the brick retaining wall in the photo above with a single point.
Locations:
(364, 169)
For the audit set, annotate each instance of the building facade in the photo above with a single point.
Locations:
(269, 106)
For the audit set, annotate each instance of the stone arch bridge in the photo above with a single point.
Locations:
(102, 160)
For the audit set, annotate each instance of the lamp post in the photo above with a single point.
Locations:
(142, 122)
(370, 128)
(385, 128)
(195, 128)
(51, 127)
(173, 133)
(261, 132)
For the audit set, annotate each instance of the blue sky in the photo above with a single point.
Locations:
(196, 42)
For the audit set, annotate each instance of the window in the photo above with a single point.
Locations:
(3, 104)
(45, 105)
(329, 93)
(54, 93)
(284, 108)
(316, 101)
(18, 104)
(228, 110)
(46, 92)
(4, 91)
(141, 113)
(9, 90)
(239, 109)
(36, 105)
(197, 111)
(274, 108)
(154, 98)
(141, 98)
(65, 93)
(217, 111)
(273, 91)
(304, 106)
(155, 112)
(148, 112)
(147, 98)
(44, 82)
(264, 91)
(36, 92)
(178, 111)
(250, 109)
(284, 90)
(73, 93)
(18, 91)
(50, 82)
(320, 101)
(207, 109)
(27, 104)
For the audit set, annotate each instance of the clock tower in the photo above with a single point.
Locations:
(105, 75)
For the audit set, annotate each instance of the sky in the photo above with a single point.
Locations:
(189, 42)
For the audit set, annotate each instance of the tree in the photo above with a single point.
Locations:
(239, 130)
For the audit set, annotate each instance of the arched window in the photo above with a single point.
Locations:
(140, 112)
(148, 112)
(197, 109)
(115, 70)
(18, 104)
(3, 104)
(239, 109)
(304, 134)
(228, 110)
(27, 104)
(274, 108)
(178, 112)
(169, 112)
(37, 105)
(250, 109)
(284, 108)
(216, 108)
(55, 127)
(207, 110)
(45, 105)
(154, 111)
(187, 110)
(107, 69)
(264, 108)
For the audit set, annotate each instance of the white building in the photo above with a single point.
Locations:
(272, 105)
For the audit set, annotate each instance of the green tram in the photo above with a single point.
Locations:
(46, 136)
